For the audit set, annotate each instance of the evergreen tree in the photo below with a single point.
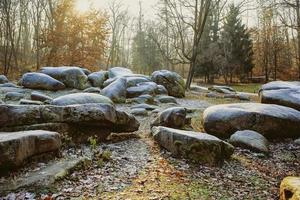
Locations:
(237, 45)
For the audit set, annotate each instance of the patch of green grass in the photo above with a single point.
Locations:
(250, 88)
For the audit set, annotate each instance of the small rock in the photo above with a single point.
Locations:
(36, 96)
(14, 96)
(222, 89)
(250, 140)
(3, 79)
(166, 99)
(29, 102)
(212, 95)
(144, 99)
(139, 112)
(145, 106)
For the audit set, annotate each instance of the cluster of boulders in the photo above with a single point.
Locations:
(224, 92)
(118, 83)
(73, 102)
(251, 124)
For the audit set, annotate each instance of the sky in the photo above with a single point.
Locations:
(132, 5)
(149, 8)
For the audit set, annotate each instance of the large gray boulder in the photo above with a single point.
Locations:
(172, 81)
(199, 147)
(3, 79)
(119, 72)
(272, 121)
(101, 117)
(284, 97)
(132, 80)
(97, 79)
(72, 77)
(16, 147)
(174, 117)
(81, 98)
(277, 85)
(250, 140)
(116, 91)
(141, 89)
(41, 81)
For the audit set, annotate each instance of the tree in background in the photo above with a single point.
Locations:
(75, 40)
(237, 46)
(118, 22)
(146, 56)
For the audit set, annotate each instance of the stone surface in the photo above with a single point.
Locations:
(81, 98)
(16, 147)
(199, 89)
(161, 90)
(212, 95)
(198, 147)
(284, 97)
(297, 141)
(243, 97)
(222, 89)
(97, 79)
(30, 102)
(272, 121)
(119, 72)
(146, 98)
(139, 112)
(9, 85)
(93, 90)
(145, 106)
(166, 99)
(116, 91)
(41, 81)
(94, 117)
(44, 177)
(142, 89)
(172, 81)
(36, 96)
(14, 96)
(72, 77)
(290, 188)
(276, 85)
(174, 117)
(3, 79)
(250, 140)
(133, 81)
